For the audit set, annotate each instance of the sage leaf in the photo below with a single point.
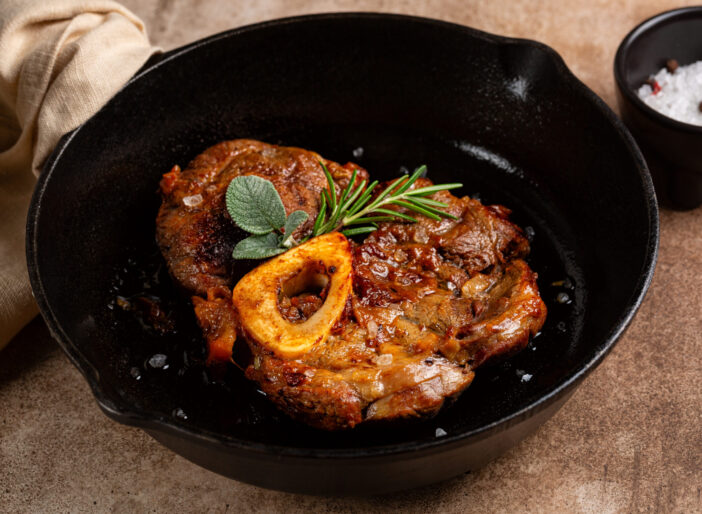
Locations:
(258, 247)
(254, 205)
(295, 219)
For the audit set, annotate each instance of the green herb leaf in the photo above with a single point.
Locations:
(400, 215)
(428, 201)
(363, 198)
(258, 247)
(320, 217)
(255, 205)
(370, 219)
(295, 219)
(426, 211)
(332, 190)
(423, 191)
(358, 230)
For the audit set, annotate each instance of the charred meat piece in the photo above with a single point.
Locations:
(341, 332)
(193, 228)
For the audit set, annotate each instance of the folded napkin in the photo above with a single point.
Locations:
(60, 61)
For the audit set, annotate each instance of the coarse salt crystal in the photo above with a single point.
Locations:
(193, 200)
(385, 359)
(524, 376)
(680, 93)
(372, 328)
(158, 361)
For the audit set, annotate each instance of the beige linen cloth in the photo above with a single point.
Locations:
(60, 61)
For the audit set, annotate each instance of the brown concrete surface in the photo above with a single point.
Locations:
(629, 440)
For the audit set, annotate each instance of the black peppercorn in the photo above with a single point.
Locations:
(672, 65)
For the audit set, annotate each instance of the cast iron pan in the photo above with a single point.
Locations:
(503, 116)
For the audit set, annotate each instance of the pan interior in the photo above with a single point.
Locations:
(229, 404)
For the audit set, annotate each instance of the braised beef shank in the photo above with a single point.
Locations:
(431, 301)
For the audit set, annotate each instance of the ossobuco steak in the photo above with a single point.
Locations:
(339, 331)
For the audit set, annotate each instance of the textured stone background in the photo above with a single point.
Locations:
(629, 440)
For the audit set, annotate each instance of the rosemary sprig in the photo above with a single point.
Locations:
(355, 206)
(255, 206)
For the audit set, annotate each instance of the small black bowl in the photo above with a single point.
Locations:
(671, 148)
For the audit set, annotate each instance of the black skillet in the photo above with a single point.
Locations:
(503, 116)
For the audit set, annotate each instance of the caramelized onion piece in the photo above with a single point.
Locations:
(324, 259)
